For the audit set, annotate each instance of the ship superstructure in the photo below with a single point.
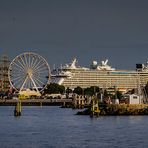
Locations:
(101, 75)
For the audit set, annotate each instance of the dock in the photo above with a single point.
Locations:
(36, 102)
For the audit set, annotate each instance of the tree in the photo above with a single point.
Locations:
(78, 90)
(118, 95)
(105, 94)
(54, 88)
(146, 88)
(68, 90)
(91, 90)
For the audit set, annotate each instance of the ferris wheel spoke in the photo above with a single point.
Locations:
(18, 72)
(28, 84)
(35, 62)
(32, 61)
(37, 65)
(16, 69)
(26, 61)
(18, 65)
(31, 84)
(23, 61)
(39, 80)
(41, 76)
(41, 69)
(29, 60)
(20, 79)
(21, 75)
(41, 72)
(38, 83)
(17, 83)
(16, 78)
(40, 66)
(21, 64)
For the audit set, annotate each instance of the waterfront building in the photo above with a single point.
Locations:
(101, 75)
(133, 99)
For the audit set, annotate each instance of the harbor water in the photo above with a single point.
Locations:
(54, 127)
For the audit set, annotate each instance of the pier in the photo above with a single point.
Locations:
(36, 102)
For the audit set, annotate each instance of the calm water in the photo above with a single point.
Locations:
(54, 127)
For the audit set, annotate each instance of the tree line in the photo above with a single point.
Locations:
(54, 88)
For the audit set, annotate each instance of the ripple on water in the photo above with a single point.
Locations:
(55, 127)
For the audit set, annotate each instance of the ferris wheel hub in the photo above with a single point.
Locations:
(30, 72)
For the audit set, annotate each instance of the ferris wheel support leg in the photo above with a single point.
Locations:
(23, 84)
(34, 84)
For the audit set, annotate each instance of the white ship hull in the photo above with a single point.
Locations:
(105, 78)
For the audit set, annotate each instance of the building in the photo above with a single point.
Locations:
(4, 66)
(133, 99)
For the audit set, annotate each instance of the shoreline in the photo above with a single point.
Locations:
(119, 110)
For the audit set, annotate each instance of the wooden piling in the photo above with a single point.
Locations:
(18, 109)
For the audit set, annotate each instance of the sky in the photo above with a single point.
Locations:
(60, 30)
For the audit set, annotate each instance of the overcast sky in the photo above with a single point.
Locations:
(87, 29)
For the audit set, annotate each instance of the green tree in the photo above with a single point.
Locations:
(78, 90)
(93, 90)
(117, 95)
(54, 88)
(146, 88)
(105, 94)
(68, 90)
(61, 89)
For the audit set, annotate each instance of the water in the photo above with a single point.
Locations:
(54, 127)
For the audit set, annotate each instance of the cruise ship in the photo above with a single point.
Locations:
(101, 75)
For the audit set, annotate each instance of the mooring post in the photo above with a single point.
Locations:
(41, 104)
(18, 108)
(94, 108)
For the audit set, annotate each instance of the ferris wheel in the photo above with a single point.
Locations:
(29, 71)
